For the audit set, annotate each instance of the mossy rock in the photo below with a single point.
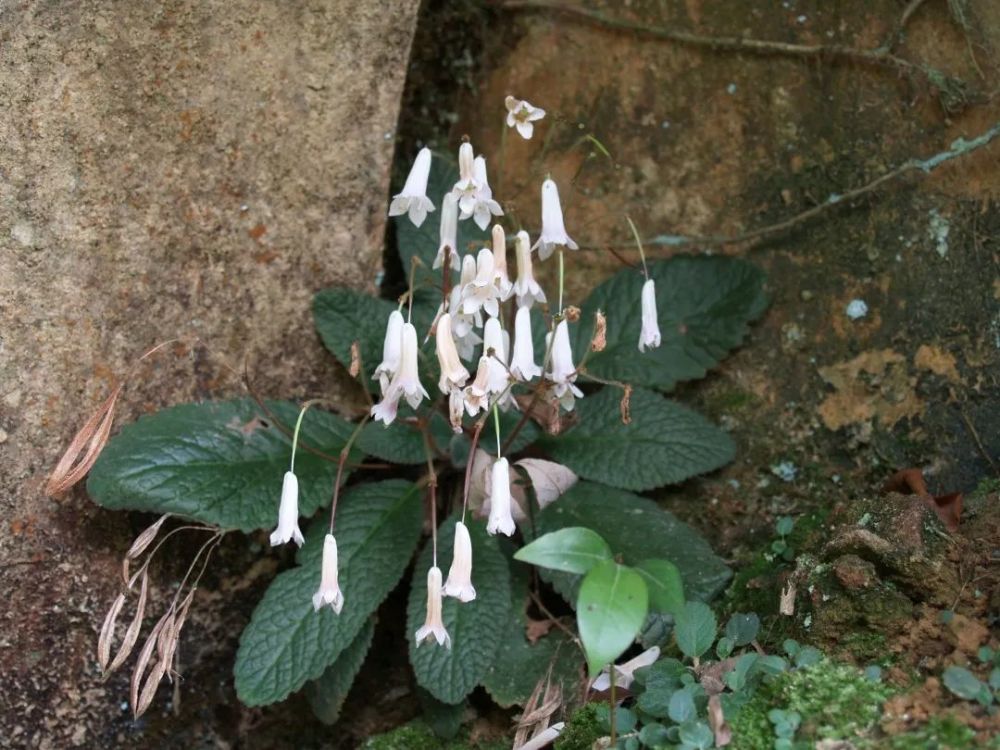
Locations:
(582, 730)
(835, 701)
(419, 736)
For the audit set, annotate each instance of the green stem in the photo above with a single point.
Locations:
(638, 242)
(496, 422)
(344, 452)
(562, 275)
(298, 426)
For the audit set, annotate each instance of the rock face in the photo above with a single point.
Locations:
(192, 170)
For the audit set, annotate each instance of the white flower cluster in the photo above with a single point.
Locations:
(479, 362)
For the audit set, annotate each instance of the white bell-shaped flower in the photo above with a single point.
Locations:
(288, 513)
(522, 115)
(483, 207)
(448, 233)
(329, 586)
(500, 518)
(526, 288)
(650, 334)
(467, 188)
(522, 363)
(453, 373)
(500, 277)
(459, 583)
(493, 341)
(553, 229)
(477, 393)
(433, 626)
(481, 293)
(392, 349)
(413, 199)
(562, 371)
(405, 383)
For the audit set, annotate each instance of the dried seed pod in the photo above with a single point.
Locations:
(624, 405)
(145, 538)
(149, 689)
(143, 661)
(84, 448)
(108, 632)
(132, 633)
(166, 635)
(600, 338)
(355, 368)
(175, 636)
(572, 313)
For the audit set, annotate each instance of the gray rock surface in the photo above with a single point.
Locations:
(168, 170)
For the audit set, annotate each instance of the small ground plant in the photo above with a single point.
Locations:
(499, 413)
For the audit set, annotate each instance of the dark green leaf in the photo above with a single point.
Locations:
(637, 529)
(724, 647)
(286, 643)
(220, 462)
(657, 629)
(423, 241)
(681, 706)
(665, 443)
(743, 628)
(402, 442)
(653, 735)
(962, 683)
(444, 719)
(808, 656)
(519, 665)
(610, 609)
(343, 316)
(737, 678)
(697, 734)
(326, 695)
(475, 627)
(694, 629)
(704, 305)
(572, 550)
(666, 589)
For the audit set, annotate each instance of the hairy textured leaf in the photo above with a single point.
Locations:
(637, 529)
(423, 241)
(520, 664)
(343, 316)
(220, 462)
(665, 443)
(694, 628)
(572, 550)
(326, 695)
(610, 609)
(475, 627)
(703, 303)
(286, 643)
(403, 443)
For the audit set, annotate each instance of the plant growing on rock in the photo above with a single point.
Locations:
(498, 414)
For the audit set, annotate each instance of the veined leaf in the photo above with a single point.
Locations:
(327, 693)
(572, 550)
(695, 629)
(286, 643)
(637, 529)
(610, 609)
(666, 588)
(220, 462)
(704, 306)
(665, 443)
(475, 627)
